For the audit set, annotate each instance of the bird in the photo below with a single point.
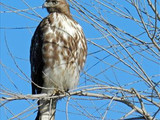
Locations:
(58, 53)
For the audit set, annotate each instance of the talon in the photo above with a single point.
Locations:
(57, 92)
(68, 93)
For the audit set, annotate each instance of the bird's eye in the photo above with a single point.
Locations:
(55, 2)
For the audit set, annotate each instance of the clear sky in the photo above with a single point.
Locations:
(16, 30)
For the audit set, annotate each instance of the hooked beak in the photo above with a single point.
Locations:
(47, 4)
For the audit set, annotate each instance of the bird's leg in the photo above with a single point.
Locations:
(56, 92)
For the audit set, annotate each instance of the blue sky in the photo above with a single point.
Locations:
(15, 38)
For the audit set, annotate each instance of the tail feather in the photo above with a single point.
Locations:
(46, 109)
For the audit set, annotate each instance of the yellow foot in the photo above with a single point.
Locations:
(57, 92)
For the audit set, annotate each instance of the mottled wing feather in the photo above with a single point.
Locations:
(36, 61)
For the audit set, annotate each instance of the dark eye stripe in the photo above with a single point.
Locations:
(54, 2)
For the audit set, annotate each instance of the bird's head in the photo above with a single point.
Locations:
(60, 6)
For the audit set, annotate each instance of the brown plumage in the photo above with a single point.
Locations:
(57, 55)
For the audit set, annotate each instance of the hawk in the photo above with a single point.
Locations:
(57, 55)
